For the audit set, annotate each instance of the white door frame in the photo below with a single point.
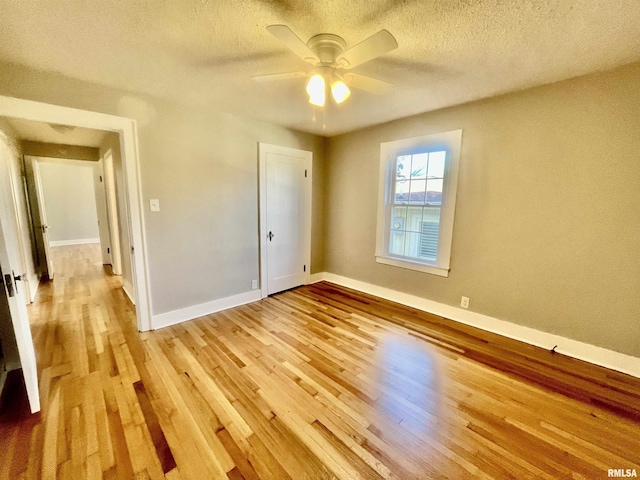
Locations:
(101, 210)
(112, 212)
(42, 211)
(126, 128)
(264, 149)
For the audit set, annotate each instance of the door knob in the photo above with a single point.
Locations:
(16, 278)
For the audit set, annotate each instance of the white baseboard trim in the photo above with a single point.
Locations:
(77, 241)
(189, 313)
(573, 348)
(127, 290)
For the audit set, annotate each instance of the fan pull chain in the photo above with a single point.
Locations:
(324, 117)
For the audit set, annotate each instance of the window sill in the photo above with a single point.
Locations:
(420, 267)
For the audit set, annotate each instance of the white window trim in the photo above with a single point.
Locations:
(452, 141)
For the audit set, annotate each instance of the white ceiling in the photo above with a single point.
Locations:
(204, 51)
(53, 133)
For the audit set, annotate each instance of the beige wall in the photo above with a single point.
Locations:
(69, 199)
(547, 227)
(198, 163)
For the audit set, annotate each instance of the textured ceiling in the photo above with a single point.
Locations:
(60, 134)
(204, 51)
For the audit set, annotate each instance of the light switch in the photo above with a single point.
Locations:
(154, 205)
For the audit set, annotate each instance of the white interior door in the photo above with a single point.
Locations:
(44, 226)
(13, 288)
(20, 204)
(285, 178)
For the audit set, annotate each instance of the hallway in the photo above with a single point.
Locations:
(317, 382)
(79, 322)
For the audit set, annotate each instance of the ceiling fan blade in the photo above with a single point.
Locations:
(374, 46)
(291, 40)
(279, 76)
(368, 84)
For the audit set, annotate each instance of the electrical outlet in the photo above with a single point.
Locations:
(464, 302)
(254, 284)
(154, 205)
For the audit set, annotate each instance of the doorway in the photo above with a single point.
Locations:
(125, 129)
(74, 202)
(285, 217)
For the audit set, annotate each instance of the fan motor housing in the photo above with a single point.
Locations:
(327, 47)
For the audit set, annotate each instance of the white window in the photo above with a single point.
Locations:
(417, 197)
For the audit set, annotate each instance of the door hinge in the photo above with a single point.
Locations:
(132, 250)
(305, 268)
(305, 173)
(100, 178)
(108, 250)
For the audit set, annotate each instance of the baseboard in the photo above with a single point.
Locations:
(189, 313)
(319, 277)
(573, 348)
(126, 286)
(77, 241)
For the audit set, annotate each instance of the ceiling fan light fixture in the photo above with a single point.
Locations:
(316, 86)
(328, 53)
(340, 91)
(316, 90)
(317, 100)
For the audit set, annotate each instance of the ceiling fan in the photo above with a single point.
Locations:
(328, 54)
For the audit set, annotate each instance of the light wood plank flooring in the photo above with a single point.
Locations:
(317, 382)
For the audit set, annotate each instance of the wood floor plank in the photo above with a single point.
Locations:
(313, 383)
(157, 435)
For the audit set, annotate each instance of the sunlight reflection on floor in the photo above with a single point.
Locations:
(408, 373)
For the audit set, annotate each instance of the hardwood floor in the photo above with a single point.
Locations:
(317, 382)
